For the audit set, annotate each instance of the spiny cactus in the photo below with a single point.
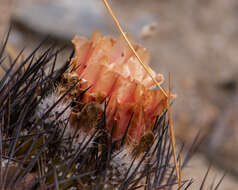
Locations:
(50, 138)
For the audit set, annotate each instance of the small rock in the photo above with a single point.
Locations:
(148, 31)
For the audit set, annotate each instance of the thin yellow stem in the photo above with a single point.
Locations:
(131, 46)
(172, 136)
(180, 172)
(147, 69)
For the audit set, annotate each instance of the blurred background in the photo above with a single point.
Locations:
(195, 40)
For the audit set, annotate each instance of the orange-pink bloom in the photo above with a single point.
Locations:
(112, 70)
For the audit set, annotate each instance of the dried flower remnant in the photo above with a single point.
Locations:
(112, 71)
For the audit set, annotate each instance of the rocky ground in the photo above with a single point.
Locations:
(195, 40)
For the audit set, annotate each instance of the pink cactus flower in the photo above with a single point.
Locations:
(112, 71)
